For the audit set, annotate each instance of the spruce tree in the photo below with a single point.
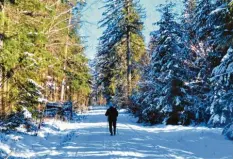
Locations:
(121, 47)
(165, 95)
(200, 51)
(221, 107)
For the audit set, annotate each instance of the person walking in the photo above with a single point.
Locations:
(112, 115)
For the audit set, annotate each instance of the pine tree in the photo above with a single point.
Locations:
(165, 92)
(199, 50)
(121, 47)
(220, 19)
(187, 20)
(221, 107)
(34, 37)
(202, 26)
(21, 44)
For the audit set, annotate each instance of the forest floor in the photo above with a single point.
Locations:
(89, 138)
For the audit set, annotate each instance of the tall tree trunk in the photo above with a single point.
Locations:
(1, 67)
(129, 62)
(55, 89)
(7, 105)
(65, 51)
(70, 96)
(3, 92)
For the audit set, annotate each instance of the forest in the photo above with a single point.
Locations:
(184, 76)
(41, 55)
(173, 93)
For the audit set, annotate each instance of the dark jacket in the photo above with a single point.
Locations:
(112, 114)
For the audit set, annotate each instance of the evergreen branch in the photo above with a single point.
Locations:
(212, 78)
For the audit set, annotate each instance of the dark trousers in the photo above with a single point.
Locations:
(112, 123)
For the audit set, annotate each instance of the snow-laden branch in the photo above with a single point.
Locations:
(212, 78)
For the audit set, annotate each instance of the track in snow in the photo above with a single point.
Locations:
(90, 139)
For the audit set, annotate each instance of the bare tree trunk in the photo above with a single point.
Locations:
(55, 89)
(129, 62)
(3, 93)
(62, 89)
(70, 96)
(7, 105)
(66, 51)
(1, 67)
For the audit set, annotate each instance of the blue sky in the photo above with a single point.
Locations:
(92, 14)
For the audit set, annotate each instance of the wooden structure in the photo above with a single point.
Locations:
(60, 110)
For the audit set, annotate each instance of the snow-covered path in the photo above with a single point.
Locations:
(91, 139)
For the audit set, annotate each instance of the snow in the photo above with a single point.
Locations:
(35, 83)
(26, 113)
(178, 101)
(42, 100)
(219, 9)
(228, 131)
(89, 138)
